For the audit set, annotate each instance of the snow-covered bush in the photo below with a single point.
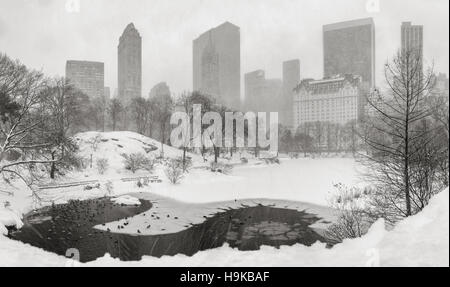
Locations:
(102, 165)
(95, 141)
(174, 171)
(352, 221)
(244, 160)
(136, 161)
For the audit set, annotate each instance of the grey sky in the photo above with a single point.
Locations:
(43, 34)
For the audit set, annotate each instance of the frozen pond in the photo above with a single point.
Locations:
(62, 227)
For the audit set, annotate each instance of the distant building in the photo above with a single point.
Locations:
(441, 85)
(332, 100)
(291, 78)
(89, 77)
(159, 89)
(349, 48)
(412, 40)
(130, 64)
(412, 37)
(216, 64)
(261, 94)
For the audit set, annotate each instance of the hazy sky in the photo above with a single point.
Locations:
(43, 34)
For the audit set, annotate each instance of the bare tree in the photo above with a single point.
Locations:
(115, 109)
(65, 110)
(141, 112)
(163, 106)
(392, 136)
(20, 129)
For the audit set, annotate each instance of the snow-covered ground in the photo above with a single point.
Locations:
(301, 184)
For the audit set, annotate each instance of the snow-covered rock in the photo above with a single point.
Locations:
(126, 200)
(9, 217)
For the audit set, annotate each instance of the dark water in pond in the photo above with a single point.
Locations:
(61, 227)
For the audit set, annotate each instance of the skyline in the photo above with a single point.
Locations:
(288, 33)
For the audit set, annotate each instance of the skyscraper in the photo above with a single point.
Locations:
(412, 40)
(349, 48)
(412, 37)
(291, 78)
(130, 64)
(87, 76)
(217, 64)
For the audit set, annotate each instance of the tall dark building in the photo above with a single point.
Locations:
(130, 64)
(291, 78)
(217, 64)
(349, 48)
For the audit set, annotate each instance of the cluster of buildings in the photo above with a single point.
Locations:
(338, 97)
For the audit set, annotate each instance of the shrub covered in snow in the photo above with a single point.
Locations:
(102, 165)
(137, 161)
(174, 171)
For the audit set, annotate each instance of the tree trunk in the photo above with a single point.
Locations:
(53, 167)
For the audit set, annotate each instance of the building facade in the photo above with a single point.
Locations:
(217, 64)
(334, 100)
(349, 48)
(291, 78)
(87, 76)
(129, 64)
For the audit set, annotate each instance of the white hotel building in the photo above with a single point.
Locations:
(335, 100)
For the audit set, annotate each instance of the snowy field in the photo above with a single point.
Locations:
(300, 184)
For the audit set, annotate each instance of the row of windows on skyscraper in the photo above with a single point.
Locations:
(348, 66)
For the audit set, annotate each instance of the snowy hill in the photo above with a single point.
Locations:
(111, 146)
